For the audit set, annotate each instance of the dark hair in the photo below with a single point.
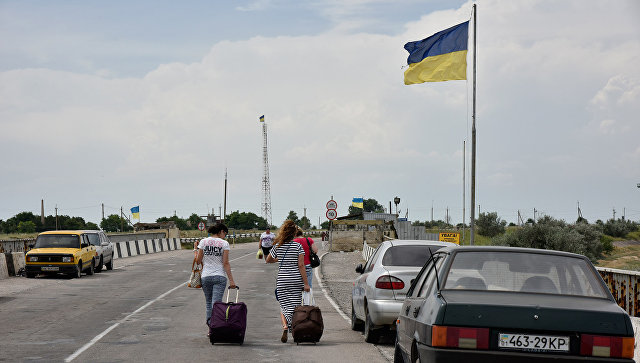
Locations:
(299, 232)
(216, 228)
(286, 233)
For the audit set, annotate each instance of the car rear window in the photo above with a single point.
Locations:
(406, 255)
(58, 240)
(523, 272)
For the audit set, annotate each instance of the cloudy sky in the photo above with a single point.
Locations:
(148, 102)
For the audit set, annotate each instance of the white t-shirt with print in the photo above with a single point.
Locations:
(213, 249)
(266, 240)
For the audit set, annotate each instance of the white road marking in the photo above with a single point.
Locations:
(106, 331)
(324, 291)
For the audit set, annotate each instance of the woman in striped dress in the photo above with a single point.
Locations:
(292, 277)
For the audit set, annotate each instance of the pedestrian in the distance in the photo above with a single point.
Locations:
(266, 242)
(292, 277)
(213, 254)
(305, 242)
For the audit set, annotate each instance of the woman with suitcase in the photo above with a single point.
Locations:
(292, 277)
(213, 254)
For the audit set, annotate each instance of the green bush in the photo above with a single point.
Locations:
(490, 225)
(619, 227)
(552, 234)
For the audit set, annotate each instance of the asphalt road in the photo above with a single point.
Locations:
(142, 311)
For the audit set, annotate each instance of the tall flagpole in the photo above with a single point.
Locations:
(473, 133)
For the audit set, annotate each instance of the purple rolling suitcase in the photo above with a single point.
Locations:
(228, 321)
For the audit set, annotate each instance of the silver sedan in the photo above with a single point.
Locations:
(379, 291)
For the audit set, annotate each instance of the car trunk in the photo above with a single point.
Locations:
(534, 312)
(406, 274)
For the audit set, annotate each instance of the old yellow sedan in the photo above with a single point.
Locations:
(66, 252)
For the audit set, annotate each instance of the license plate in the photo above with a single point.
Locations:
(50, 268)
(546, 343)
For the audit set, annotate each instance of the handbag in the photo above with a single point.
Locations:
(195, 280)
(313, 257)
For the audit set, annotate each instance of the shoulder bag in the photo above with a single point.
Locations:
(313, 257)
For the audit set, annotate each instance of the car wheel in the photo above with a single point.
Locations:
(91, 267)
(99, 267)
(78, 273)
(415, 357)
(110, 263)
(397, 355)
(370, 335)
(356, 324)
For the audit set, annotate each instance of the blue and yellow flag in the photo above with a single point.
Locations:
(262, 118)
(440, 57)
(135, 212)
(358, 203)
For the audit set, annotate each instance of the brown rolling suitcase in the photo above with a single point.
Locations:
(307, 324)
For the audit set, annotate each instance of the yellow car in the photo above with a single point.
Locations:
(67, 252)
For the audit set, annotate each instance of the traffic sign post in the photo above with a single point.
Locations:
(201, 228)
(331, 214)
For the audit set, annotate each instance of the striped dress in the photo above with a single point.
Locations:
(289, 282)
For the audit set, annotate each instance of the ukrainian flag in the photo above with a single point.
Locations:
(135, 212)
(440, 57)
(358, 203)
(262, 118)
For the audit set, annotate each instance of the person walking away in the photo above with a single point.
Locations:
(305, 242)
(213, 254)
(266, 242)
(292, 276)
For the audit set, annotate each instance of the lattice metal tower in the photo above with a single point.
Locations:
(266, 186)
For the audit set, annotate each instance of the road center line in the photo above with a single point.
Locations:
(106, 331)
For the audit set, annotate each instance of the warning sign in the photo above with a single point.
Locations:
(453, 237)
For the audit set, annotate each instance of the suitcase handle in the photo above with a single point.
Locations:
(229, 293)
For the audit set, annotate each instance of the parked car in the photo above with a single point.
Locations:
(67, 252)
(104, 249)
(378, 292)
(503, 304)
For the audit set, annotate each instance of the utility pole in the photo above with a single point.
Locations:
(224, 217)
(56, 217)
(121, 220)
(102, 210)
(534, 215)
(431, 210)
(42, 212)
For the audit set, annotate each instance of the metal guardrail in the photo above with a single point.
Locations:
(625, 288)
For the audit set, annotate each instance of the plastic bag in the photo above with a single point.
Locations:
(307, 298)
(259, 255)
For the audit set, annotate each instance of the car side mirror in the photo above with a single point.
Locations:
(105, 244)
(360, 269)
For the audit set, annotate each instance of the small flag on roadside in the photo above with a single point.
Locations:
(358, 203)
(262, 118)
(135, 212)
(440, 57)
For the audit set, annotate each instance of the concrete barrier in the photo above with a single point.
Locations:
(636, 329)
(18, 261)
(4, 272)
(126, 249)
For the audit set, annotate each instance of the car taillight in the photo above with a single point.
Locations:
(389, 282)
(457, 337)
(606, 346)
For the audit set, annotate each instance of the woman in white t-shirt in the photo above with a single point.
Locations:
(213, 254)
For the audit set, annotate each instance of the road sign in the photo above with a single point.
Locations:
(332, 204)
(332, 214)
(201, 226)
(450, 237)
